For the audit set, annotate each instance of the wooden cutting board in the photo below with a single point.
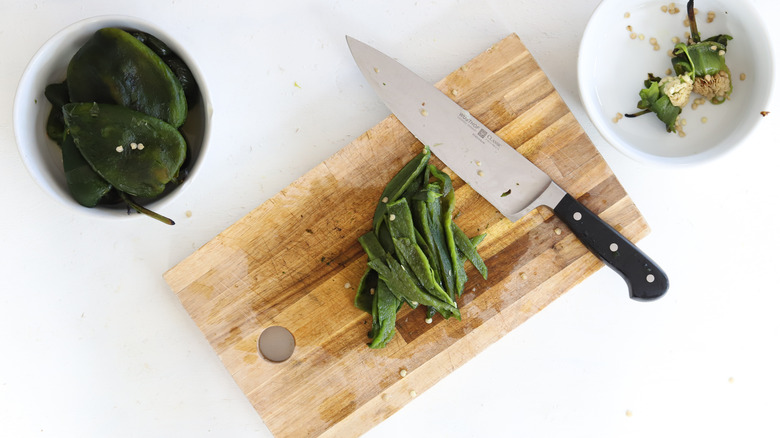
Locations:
(295, 261)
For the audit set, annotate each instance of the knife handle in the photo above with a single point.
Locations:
(646, 281)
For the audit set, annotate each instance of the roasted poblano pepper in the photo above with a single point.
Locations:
(85, 185)
(397, 186)
(174, 62)
(116, 117)
(57, 94)
(104, 134)
(385, 309)
(415, 251)
(114, 67)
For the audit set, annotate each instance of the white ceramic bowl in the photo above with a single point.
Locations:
(31, 109)
(612, 68)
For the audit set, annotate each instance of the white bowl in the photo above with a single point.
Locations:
(612, 68)
(42, 156)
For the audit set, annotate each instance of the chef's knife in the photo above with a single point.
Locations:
(495, 170)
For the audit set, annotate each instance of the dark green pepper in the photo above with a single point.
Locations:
(469, 249)
(654, 100)
(174, 62)
(448, 203)
(57, 94)
(415, 249)
(115, 68)
(85, 185)
(386, 308)
(363, 297)
(402, 286)
(105, 135)
(397, 186)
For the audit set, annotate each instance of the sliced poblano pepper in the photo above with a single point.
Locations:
(402, 286)
(397, 186)
(386, 308)
(469, 249)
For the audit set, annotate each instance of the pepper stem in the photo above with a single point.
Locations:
(638, 114)
(144, 210)
(692, 19)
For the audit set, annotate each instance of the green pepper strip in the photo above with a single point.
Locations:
(423, 225)
(469, 250)
(402, 286)
(396, 187)
(363, 297)
(387, 304)
(448, 203)
(372, 247)
(375, 251)
(374, 317)
(440, 246)
(422, 269)
(476, 240)
(404, 237)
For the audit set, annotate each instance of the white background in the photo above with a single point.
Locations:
(95, 344)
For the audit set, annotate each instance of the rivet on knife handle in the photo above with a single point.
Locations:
(646, 281)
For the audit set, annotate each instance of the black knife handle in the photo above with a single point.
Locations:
(646, 281)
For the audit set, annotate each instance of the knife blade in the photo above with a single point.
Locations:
(495, 170)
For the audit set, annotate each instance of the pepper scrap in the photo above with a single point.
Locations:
(416, 253)
(700, 67)
(655, 99)
(706, 60)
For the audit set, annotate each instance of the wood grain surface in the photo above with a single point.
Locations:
(295, 261)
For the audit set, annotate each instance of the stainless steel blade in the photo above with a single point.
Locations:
(493, 168)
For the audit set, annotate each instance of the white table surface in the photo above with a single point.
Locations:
(95, 344)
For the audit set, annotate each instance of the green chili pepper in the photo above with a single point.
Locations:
(85, 185)
(363, 296)
(397, 186)
(415, 250)
(448, 204)
(422, 269)
(372, 247)
(57, 94)
(374, 317)
(469, 249)
(104, 134)
(476, 240)
(420, 216)
(387, 305)
(113, 67)
(174, 62)
(402, 286)
(440, 249)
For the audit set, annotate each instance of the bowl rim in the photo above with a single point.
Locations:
(626, 149)
(31, 157)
